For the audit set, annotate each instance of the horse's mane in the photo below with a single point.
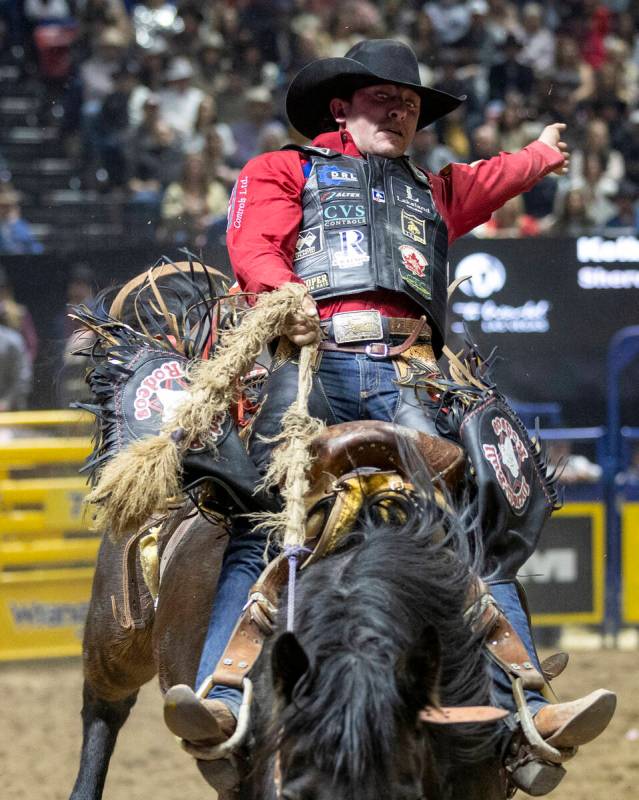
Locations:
(363, 613)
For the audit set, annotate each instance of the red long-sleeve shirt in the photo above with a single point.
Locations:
(266, 213)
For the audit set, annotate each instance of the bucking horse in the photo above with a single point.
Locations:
(361, 650)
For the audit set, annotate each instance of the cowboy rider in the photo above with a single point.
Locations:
(367, 231)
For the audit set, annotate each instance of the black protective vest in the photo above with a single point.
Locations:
(372, 224)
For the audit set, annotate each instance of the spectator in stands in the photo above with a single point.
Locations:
(189, 39)
(628, 138)
(597, 141)
(258, 113)
(622, 73)
(114, 126)
(450, 19)
(428, 152)
(191, 205)
(180, 100)
(425, 38)
(15, 370)
(205, 119)
(16, 316)
(355, 20)
(96, 73)
(625, 202)
(509, 222)
(152, 68)
(96, 83)
(214, 154)
(571, 217)
(477, 47)
(96, 16)
(16, 236)
(572, 78)
(513, 134)
(538, 41)
(70, 379)
(485, 142)
(599, 188)
(273, 136)
(502, 21)
(211, 63)
(510, 74)
(155, 156)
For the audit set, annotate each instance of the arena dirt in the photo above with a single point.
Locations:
(40, 737)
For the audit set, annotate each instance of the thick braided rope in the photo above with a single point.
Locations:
(290, 461)
(141, 479)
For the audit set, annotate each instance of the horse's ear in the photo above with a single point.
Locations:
(289, 663)
(423, 669)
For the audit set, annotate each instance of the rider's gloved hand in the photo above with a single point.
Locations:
(302, 327)
(551, 135)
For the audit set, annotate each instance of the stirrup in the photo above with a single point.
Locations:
(535, 766)
(225, 749)
(535, 777)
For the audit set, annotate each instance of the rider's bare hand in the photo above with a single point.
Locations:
(302, 327)
(551, 135)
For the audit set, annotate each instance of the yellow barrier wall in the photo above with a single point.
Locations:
(47, 553)
(630, 562)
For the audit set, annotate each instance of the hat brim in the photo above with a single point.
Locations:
(317, 83)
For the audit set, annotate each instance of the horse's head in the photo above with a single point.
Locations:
(350, 725)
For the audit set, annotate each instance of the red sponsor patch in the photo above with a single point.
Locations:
(413, 260)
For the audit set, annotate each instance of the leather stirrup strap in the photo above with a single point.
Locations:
(457, 715)
(503, 642)
(245, 644)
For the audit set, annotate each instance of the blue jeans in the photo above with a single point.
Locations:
(347, 387)
(508, 600)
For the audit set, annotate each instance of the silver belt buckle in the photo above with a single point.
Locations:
(357, 326)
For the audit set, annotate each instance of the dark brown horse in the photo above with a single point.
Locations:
(127, 642)
(380, 633)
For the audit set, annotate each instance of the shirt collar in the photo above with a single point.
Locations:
(340, 141)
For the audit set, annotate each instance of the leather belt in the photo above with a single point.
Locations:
(347, 327)
(416, 329)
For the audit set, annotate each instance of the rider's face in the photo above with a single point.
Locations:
(382, 119)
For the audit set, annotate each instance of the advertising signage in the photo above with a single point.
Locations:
(551, 307)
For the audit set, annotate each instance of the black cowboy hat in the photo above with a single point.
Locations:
(366, 64)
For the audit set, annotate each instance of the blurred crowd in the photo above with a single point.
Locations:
(163, 102)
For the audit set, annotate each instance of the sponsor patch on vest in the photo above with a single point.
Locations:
(348, 248)
(332, 195)
(328, 175)
(378, 195)
(413, 227)
(507, 455)
(406, 195)
(343, 215)
(316, 282)
(308, 242)
(413, 260)
(417, 285)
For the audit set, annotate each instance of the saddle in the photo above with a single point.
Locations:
(354, 463)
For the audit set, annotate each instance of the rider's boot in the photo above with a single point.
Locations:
(212, 720)
(562, 726)
(205, 723)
